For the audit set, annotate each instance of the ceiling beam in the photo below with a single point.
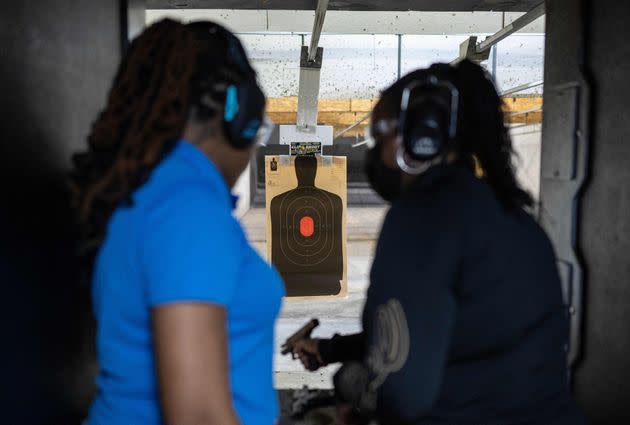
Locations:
(479, 52)
(364, 5)
(347, 22)
(510, 29)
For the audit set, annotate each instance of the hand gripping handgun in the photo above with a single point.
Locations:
(303, 333)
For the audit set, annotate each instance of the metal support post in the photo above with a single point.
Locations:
(310, 67)
(308, 92)
(468, 50)
(318, 24)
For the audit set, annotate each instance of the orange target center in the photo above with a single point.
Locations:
(307, 226)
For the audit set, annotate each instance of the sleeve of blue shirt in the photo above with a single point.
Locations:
(189, 248)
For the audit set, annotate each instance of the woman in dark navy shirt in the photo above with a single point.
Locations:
(464, 322)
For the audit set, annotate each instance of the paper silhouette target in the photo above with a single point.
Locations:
(306, 199)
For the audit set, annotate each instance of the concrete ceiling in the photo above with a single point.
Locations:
(351, 22)
(365, 5)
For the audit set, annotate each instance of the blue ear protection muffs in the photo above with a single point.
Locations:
(243, 113)
(427, 122)
(244, 104)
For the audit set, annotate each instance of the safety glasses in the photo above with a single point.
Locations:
(263, 135)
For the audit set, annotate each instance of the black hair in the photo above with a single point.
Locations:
(481, 132)
(167, 73)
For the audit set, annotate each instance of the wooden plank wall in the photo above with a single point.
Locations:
(342, 113)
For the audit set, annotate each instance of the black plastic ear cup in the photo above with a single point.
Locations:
(424, 135)
(428, 119)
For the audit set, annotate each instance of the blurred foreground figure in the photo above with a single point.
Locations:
(184, 306)
(464, 322)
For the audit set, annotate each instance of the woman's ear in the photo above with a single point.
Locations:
(199, 131)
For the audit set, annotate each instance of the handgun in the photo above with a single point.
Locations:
(303, 333)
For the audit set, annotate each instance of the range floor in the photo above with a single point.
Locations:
(335, 316)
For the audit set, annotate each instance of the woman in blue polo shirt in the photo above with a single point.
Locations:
(184, 306)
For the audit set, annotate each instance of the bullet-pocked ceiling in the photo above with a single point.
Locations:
(366, 5)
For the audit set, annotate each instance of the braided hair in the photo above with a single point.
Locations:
(159, 82)
(482, 139)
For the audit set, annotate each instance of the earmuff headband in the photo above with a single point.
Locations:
(244, 103)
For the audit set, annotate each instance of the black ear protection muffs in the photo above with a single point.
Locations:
(244, 105)
(427, 121)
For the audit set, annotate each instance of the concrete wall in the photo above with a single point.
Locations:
(587, 43)
(57, 61)
(603, 379)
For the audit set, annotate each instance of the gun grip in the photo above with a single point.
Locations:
(312, 363)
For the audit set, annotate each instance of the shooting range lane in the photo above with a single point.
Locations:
(341, 315)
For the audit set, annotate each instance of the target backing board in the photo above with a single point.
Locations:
(306, 199)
